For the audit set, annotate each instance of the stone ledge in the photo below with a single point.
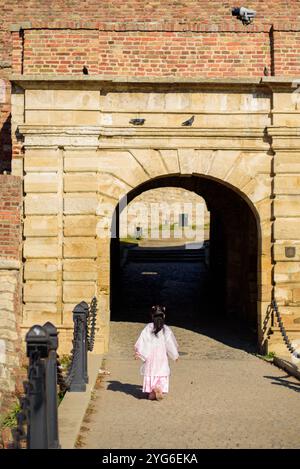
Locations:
(72, 410)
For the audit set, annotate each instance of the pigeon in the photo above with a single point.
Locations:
(266, 71)
(189, 122)
(137, 121)
(85, 70)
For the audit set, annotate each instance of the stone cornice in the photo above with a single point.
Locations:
(43, 81)
(101, 131)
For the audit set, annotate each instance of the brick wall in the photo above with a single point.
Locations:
(10, 203)
(146, 53)
(10, 289)
(143, 38)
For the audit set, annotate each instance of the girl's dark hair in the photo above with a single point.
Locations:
(158, 317)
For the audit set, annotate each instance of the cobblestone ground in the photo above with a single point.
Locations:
(221, 395)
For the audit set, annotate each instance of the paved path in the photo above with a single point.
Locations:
(220, 397)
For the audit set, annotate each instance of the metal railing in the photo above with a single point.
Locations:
(273, 309)
(37, 421)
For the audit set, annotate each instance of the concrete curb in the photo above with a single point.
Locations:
(74, 405)
(287, 366)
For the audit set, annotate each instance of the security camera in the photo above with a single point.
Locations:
(244, 14)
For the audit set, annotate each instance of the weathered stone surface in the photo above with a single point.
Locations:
(123, 165)
(80, 204)
(287, 272)
(41, 204)
(287, 162)
(41, 247)
(41, 182)
(62, 99)
(287, 184)
(37, 291)
(287, 206)
(78, 291)
(280, 251)
(80, 247)
(41, 269)
(80, 225)
(41, 226)
(63, 118)
(287, 228)
(82, 182)
(41, 160)
(80, 269)
(112, 186)
(151, 161)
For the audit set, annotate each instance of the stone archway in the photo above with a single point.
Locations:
(73, 171)
(235, 246)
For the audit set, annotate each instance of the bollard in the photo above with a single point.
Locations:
(51, 387)
(38, 343)
(80, 377)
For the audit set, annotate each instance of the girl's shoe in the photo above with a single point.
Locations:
(152, 396)
(158, 394)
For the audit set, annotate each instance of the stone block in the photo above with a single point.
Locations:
(123, 165)
(287, 228)
(285, 272)
(80, 225)
(41, 160)
(41, 182)
(41, 204)
(287, 206)
(222, 162)
(188, 160)
(80, 269)
(74, 292)
(170, 158)
(81, 182)
(80, 247)
(287, 162)
(280, 251)
(151, 161)
(63, 99)
(40, 269)
(40, 292)
(41, 248)
(112, 186)
(81, 161)
(80, 203)
(41, 226)
(50, 117)
(287, 184)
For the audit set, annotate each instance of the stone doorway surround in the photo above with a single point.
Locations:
(79, 152)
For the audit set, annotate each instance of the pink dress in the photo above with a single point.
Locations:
(154, 351)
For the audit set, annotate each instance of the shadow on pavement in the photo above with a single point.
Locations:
(134, 390)
(281, 381)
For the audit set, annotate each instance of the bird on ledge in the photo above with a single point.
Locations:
(189, 122)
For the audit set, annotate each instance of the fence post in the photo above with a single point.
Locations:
(37, 341)
(51, 387)
(79, 380)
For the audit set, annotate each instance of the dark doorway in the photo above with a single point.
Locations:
(208, 295)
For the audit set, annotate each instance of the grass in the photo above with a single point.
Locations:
(268, 356)
(9, 420)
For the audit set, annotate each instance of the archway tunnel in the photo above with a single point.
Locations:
(212, 288)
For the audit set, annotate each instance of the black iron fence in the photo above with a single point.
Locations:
(274, 312)
(37, 421)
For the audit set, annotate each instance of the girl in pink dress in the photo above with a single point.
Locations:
(155, 343)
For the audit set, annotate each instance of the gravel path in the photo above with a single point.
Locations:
(220, 397)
